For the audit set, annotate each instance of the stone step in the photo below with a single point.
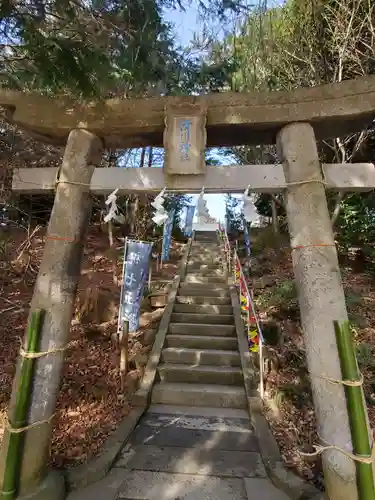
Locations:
(200, 260)
(148, 485)
(195, 278)
(202, 309)
(203, 374)
(222, 429)
(210, 236)
(208, 257)
(205, 245)
(199, 357)
(199, 267)
(200, 411)
(219, 286)
(202, 319)
(202, 329)
(203, 290)
(201, 342)
(198, 300)
(209, 273)
(203, 462)
(218, 396)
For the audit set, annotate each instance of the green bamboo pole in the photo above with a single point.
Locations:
(356, 410)
(20, 412)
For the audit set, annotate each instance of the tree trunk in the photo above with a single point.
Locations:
(321, 298)
(124, 353)
(113, 254)
(142, 160)
(336, 210)
(275, 222)
(150, 156)
(54, 292)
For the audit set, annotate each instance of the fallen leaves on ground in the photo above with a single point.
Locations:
(90, 405)
(290, 411)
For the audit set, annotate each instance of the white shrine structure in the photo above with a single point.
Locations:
(204, 222)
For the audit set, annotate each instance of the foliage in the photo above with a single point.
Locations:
(303, 44)
(263, 204)
(233, 214)
(356, 221)
(282, 296)
(365, 355)
(98, 48)
(178, 203)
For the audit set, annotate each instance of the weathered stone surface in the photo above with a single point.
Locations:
(98, 467)
(200, 342)
(196, 299)
(141, 485)
(106, 489)
(204, 308)
(194, 438)
(263, 282)
(321, 297)
(54, 293)
(220, 396)
(216, 420)
(200, 374)
(202, 462)
(51, 488)
(232, 118)
(202, 318)
(263, 489)
(185, 140)
(202, 329)
(205, 450)
(209, 356)
(268, 179)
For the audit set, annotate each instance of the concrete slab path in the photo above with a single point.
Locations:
(205, 450)
(187, 453)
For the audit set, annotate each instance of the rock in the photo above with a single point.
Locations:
(145, 305)
(256, 270)
(264, 282)
(271, 332)
(159, 300)
(131, 383)
(149, 336)
(150, 317)
(141, 359)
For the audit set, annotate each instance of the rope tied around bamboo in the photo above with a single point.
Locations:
(19, 430)
(348, 383)
(319, 449)
(36, 355)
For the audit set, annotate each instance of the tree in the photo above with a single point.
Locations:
(301, 44)
(233, 214)
(96, 48)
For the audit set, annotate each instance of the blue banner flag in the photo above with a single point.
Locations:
(167, 235)
(189, 220)
(246, 237)
(136, 264)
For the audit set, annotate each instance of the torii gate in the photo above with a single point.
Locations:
(185, 126)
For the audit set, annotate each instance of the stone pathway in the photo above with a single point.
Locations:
(205, 450)
(187, 453)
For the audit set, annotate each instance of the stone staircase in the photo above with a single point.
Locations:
(200, 362)
(195, 441)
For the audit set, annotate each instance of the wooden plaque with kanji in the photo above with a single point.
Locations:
(185, 140)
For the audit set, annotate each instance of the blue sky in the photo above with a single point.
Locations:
(187, 23)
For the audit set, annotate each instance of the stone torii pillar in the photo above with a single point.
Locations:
(321, 298)
(54, 292)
